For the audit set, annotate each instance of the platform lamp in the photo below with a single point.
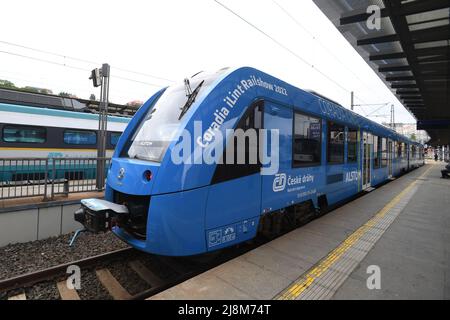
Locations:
(100, 78)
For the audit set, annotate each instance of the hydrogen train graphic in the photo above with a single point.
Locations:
(324, 154)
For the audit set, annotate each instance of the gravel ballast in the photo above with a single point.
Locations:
(42, 291)
(128, 278)
(91, 288)
(21, 258)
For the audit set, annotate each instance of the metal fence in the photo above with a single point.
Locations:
(47, 177)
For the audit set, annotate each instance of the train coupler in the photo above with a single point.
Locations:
(98, 215)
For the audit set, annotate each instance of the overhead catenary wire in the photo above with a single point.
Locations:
(383, 106)
(303, 60)
(83, 60)
(73, 67)
(118, 93)
(330, 52)
(370, 105)
(165, 79)
(299, 24)
(148, 75)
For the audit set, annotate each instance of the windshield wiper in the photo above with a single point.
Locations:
(191, 99)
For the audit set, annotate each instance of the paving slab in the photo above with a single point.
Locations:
(402, 227)
(413, 254)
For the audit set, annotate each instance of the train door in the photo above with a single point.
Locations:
(408, 154)
(234, 198)
(367, 160)
(277, 121)
(390, 157)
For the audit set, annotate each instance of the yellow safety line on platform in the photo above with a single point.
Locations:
(307, 279)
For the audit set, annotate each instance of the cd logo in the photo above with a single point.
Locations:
(279, 183)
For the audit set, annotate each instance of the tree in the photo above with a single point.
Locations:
(66, 95)
(413, 137)
(7, 84)
(31, 89)
(135, 103)
(92, 97)
(37, 90)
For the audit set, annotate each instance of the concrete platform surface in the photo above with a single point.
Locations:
(394, 240)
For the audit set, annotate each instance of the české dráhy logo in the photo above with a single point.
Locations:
(279, 183)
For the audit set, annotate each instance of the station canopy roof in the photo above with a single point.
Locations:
(410, 52)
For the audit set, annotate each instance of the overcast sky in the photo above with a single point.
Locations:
(173, 39)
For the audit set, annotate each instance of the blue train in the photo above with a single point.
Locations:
(177, 185)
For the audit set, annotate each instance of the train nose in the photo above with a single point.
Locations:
(132, 176)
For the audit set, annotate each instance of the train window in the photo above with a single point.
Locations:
(239, 168)
(80, 137)
(384, 152)
(376, 152)
(114, 139)
(399, 149)
(160, 125)
(336, 133)
(394, 150)
(352, 145)
(24, 134)
(307, 141)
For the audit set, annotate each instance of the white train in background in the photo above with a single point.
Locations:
(43, 126)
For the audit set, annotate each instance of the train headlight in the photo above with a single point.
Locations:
(148, 175)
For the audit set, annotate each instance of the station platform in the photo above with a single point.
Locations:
(395, 238)
(30, 219)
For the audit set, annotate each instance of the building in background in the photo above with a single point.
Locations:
(410, 130)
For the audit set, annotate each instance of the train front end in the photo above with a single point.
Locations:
(150, 202)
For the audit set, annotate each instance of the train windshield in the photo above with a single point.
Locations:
(160, 125)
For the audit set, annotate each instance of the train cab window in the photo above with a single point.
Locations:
(23, 134)
(336, 133)
(307, 141)
(114, 139)
(352, 145)
(376, 152)
(80, 137)
(158, 128)
(384, 152)
(239, 167)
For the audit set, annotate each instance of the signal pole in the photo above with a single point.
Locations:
(100, 78)
(352, 101)
(392, 117)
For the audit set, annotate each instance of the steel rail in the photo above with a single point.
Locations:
(29, 279)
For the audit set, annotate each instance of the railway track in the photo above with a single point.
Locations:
(151, 274)
(142, 275)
